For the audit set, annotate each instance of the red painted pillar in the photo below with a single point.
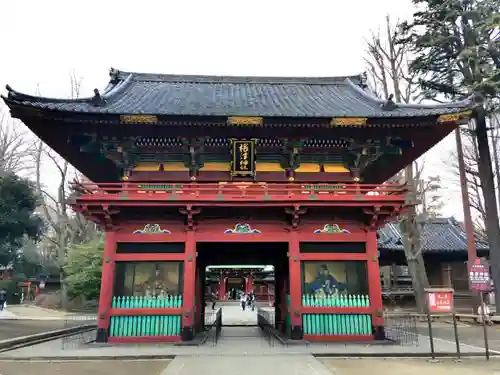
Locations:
(189, 287)
(222, 287)
(374, 287)
(248, 284)
(107, 281)
(199, 306)
(295, 286)
(283, 295)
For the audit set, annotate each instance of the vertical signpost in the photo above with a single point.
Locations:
(439, 301)
(479, 281)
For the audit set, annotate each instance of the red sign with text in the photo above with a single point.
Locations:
(440, 300)
(479, 276)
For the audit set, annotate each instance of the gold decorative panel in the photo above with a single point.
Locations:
(454, 116)
(348, 121)
(236, 120)
(138, 119)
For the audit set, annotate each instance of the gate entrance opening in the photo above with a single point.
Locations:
(227, 270)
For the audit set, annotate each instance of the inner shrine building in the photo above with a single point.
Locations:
(186, 172)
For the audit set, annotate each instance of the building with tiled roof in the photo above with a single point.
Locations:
(444, 248)
(438, 235)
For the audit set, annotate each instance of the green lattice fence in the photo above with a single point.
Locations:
(146, 325)
(338, 323)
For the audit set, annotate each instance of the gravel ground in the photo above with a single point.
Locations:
(412, 366)
(83, 368)
(16, 328)
(471, 335)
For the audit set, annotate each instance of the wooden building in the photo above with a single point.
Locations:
(444, 247)
(191, 171)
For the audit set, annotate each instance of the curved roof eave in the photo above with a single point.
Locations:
(462, 104)
(113, 88)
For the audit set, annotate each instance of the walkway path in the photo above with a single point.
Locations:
(246, 365)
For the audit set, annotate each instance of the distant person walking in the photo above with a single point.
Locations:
(3, 298)
(243, 301)
(252, 300)
(214, 300)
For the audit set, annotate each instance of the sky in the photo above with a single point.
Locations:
(44, 41)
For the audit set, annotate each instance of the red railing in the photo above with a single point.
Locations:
(243, 191)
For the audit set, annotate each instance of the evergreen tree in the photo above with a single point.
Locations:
(83, 269)
(18, 220)
(456, 44)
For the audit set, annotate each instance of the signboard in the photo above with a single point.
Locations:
(479, 276)
(439, 300)
(243, 158)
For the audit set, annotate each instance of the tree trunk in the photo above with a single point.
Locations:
(494, 144)
(412, 247)
(490, 204)
(61, 259)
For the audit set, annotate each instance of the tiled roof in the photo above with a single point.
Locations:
(438, 235)
(187, 95)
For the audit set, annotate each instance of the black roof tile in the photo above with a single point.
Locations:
(187, 95)
(438, 235)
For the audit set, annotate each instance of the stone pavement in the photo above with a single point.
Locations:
(7, 314)
(233, 315)
(471, 366)
(247, 365)
(31, 312)
(118, 367)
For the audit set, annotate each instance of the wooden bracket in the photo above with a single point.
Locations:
(295, 212)
(107, 216)
(190, 211)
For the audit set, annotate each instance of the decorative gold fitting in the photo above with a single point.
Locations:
(348, 121)
(356, 179)
(291, 179)
(236, 120)
(125, 178)
(193, 178)
(454, 116)
(138, 119)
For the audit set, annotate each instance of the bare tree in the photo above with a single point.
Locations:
(65, 227)
(388, 62)
(470, 159)
(16, 148)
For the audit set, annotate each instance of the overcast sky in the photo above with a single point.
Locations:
(43, 41)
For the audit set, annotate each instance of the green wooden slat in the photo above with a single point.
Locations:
(143, 326)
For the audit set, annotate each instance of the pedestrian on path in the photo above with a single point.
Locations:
(252, 300)
(243, 301)
(3, 298)
(483, 314)
(214, 300)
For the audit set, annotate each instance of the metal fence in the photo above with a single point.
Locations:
(401, 329)
(213, 327)
(79, 339)
(274, 332)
